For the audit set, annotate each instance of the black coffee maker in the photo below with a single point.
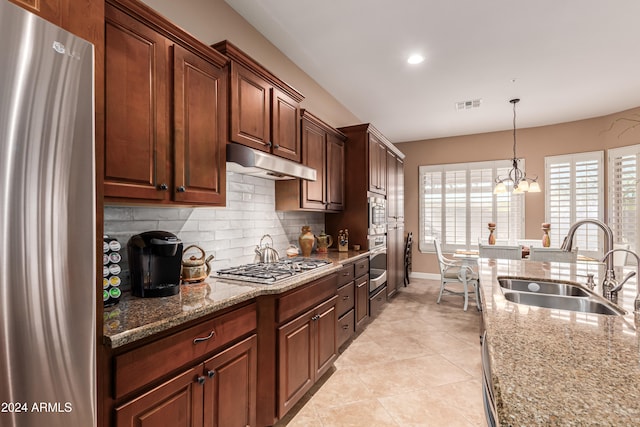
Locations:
(155, 261)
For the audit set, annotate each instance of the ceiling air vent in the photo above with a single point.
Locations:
(468, 105)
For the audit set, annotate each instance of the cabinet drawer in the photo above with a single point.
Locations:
(346, 297)
(345, 274)
(298, 300)
(361, 267)
(377, 302)
(142, 365)
(346, 327)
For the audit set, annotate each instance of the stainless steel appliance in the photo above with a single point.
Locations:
(155, 262)
(377, 216)
(377, 269)
(272, 272)
(47, 225)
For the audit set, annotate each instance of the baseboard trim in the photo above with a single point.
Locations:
(420, 275)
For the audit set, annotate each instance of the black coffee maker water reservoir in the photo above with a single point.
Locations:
(155, 260)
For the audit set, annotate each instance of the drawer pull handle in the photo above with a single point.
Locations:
(316, 317)
(345, 327)
(208, 337)
(345, 274)
(346, 297)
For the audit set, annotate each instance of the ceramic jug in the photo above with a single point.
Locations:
(323, 242)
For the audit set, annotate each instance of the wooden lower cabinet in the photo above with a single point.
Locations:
(230, 388)
(176, 402)
(377, 302)
(220, 392)
(361, 302)
(307, 347)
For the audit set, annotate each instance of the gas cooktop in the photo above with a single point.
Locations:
(270, 273)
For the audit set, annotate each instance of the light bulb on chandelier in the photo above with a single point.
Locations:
(521, 183)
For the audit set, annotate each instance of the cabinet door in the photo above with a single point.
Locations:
(199, 129)
(285, 126)
(362, 300)
(250, 109)
(136, 110)
(399, 196)
(314, 155)
(295, 361)
(231, 386)
(335, 174)
(377, 166)
(326, 336)
(392, 176)
(175, 403)
(392, 249)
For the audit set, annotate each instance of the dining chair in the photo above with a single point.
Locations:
(552, 254)
(500, 251)
(453, 271)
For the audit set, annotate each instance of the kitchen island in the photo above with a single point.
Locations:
(557, 367)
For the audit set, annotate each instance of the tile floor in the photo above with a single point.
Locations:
(417, 364)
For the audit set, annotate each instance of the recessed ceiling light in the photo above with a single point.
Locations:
(415, 59)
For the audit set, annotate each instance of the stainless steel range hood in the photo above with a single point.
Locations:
(248, 161)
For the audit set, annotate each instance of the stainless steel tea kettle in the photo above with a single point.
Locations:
(266, 253)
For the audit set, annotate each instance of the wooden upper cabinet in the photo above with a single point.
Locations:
(166, 106)
(315, 156)
(264, 111)
(335, 172)
(249, 108)
(199, 129)
(136, 109)
(377, 166)
(323, 150)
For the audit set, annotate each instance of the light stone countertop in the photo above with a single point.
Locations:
(135, 318)
(558, 367)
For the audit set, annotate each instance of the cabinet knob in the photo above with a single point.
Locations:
(269, 144)
(276, 145)
(201, 380)
(345, 327)
(181, 189)
(211, 374)
(163, 187)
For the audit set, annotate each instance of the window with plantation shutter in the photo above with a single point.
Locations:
(574, 188)
(457, 203)
(623, 199)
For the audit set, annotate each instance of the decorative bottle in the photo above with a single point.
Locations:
(492, 237)
(306, 241)
(546, 240)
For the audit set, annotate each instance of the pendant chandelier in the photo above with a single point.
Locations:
(521, 183)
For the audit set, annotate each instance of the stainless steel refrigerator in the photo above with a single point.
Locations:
(47, 225)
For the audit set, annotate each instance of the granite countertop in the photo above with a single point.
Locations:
(135, 318)
(557, 367)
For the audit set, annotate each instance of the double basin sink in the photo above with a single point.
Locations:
(556, 295)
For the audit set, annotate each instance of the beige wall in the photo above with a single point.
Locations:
(214, 20)
(533, 144)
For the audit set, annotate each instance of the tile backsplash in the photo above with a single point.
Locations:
(230, 234)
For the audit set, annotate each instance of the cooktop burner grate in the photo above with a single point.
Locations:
(269, 273)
